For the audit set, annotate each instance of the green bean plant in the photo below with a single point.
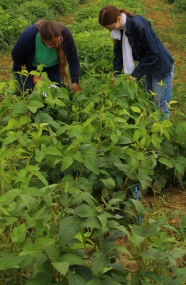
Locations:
(69, 163)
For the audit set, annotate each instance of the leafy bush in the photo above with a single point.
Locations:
(10, 27)
(180, 5)
(68, 162)
(34, 10)
(63, 7)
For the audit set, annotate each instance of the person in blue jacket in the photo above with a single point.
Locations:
(135, 40)
(51, 44)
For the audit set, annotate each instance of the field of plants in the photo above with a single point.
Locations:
(75, 168)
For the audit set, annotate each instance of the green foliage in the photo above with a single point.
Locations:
(180, 5)
(27, 13)
(69, 163)
(63, 7)
(34, 10)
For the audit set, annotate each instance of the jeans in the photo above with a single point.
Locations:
(163, 93)
(26, 83)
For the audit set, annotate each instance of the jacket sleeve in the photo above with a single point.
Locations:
(148, 46)
(118, 57)
(71, 55)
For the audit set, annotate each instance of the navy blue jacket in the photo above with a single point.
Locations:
(147, 49)
(24, 50)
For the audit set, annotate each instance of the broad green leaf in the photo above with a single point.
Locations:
(138, 206)
(9, 196)
(136, 135)
(53, 253)
(177, 252)
(156, 127)
(12, 84)
(40, 176)
(50, 102)
(72, 259)
(32, 191)
(167, 123)
(9, 140)
(103, 220)
(10, 262)
(68, 228)
(78, 156)
(61, 267)
(136, 109)
(120, 120)
(99, 262)
(91, 165)
(52, 150)
(18, 234)
(24, 120)
(75, 279)
(58, 102)
(180, 168)
(93, 223)
(123, 167)
(67, 162)
(8, 221)
(156, 142)
(85, 211)
(2, 85)
(168, 148)
(34, 105)
(19, 108)
(114, 139)
(166, 162)
(109, 183)
(62, 130)
(123, 249)
(42, 243)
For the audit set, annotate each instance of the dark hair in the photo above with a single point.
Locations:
(49, 30)
(109, 14)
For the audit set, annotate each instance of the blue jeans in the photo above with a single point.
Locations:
(163, 93)
(26, 83)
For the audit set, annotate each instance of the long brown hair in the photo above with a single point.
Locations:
(109, 14)
(49, 30)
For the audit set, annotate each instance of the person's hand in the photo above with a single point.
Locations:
(76, 87)
(36, 78)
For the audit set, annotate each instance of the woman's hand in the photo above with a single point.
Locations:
(76, 87)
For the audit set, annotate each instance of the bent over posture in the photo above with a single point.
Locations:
(135, 40)
(51, 44)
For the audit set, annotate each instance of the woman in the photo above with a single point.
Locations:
(135, 40)
(51, 44)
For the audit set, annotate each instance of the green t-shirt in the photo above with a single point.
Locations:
(43, 54)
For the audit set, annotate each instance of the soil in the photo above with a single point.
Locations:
(170, 203)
